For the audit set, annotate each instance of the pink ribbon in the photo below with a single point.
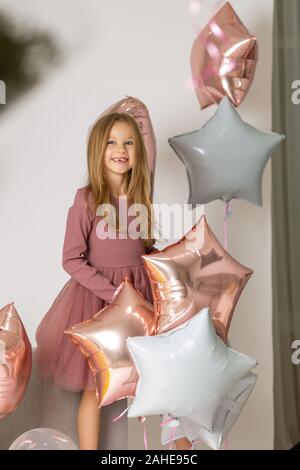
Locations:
(226, 447)
(142, 420)
(120, 416)
(227, 214)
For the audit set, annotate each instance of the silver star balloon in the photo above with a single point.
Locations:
(225, 159)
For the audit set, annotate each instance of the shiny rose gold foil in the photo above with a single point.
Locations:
(102, 340)
(223, 59)
(194, 273)
(15, 360)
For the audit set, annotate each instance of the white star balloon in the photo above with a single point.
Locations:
(185, 371)
(225, 159)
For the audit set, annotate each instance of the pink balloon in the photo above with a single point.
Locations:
(102, 340)
(138, 110)
(223, 59)
(15, 360)
(193, 273)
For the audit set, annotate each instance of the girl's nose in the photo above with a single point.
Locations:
(122, 148)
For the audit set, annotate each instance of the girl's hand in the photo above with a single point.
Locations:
(152, 250)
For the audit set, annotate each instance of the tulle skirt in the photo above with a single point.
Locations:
(59, 360)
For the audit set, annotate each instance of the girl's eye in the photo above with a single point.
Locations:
(112, 141)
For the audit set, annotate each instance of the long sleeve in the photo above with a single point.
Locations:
(78, 227)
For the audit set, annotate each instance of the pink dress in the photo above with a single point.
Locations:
(97, 267)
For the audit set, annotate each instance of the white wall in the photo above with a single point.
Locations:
(117, 48)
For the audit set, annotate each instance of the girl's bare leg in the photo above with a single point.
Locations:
(182, 444)
(88, 421)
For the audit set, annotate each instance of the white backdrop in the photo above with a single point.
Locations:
(116, 48)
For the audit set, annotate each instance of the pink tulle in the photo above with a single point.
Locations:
(58, 359)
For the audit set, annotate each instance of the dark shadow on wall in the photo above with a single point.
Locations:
(26, 56)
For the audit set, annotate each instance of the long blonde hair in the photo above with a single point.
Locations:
(138, 178)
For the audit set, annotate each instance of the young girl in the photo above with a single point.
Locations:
(117, 166)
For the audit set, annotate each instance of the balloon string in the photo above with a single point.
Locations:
(227, 214)
(163, 423)
(120, 416)
(143, 421)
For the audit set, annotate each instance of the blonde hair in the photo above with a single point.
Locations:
(138, 178)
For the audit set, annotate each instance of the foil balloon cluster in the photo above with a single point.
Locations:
(15, 359)
(187, 372)
(199, 384)
(159, 355)
(226, 158)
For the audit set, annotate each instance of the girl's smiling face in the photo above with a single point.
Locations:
(120, 149)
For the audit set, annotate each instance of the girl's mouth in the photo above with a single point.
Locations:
(120, 160)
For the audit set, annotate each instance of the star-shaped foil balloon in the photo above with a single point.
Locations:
(15, 359)
(185, 371)
(223, 59)
(225, 159)
(102, 340)
(193, 273)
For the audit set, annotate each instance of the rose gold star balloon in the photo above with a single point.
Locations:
(138, 110)
(15, 359)
(194, 273)
(102, 340)
(223, 59)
